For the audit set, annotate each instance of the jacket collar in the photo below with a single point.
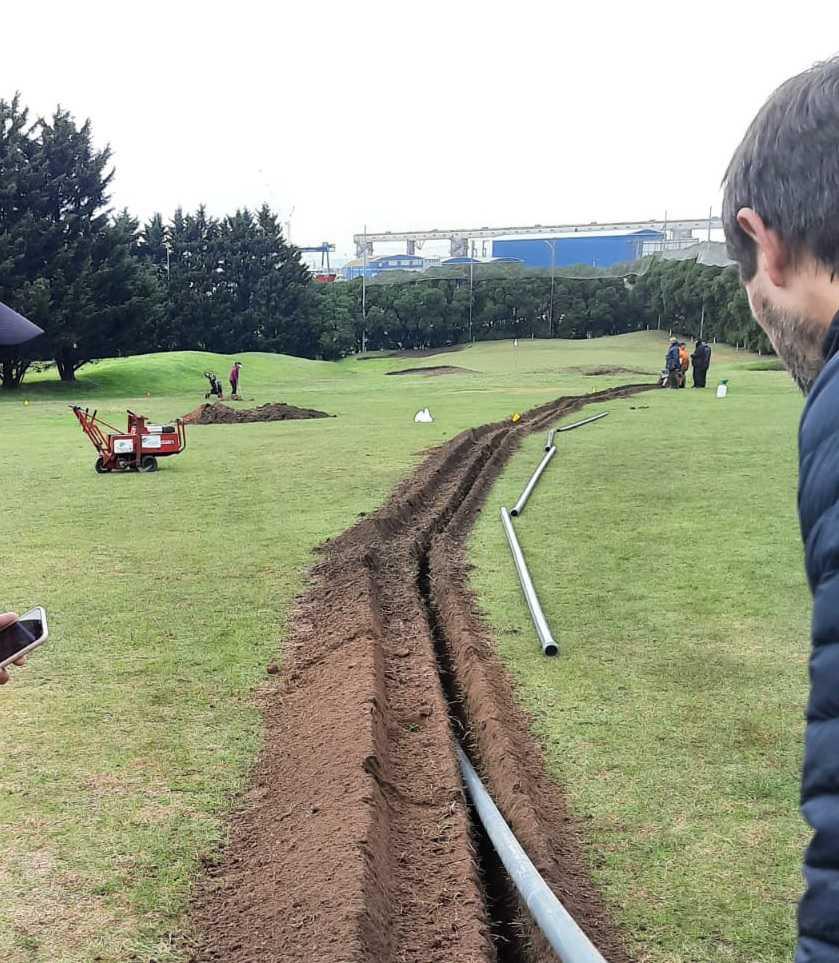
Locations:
(830, 345)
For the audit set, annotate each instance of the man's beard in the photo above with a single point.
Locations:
(797, 340)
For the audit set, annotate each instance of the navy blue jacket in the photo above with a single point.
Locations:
(818, 508)
(672, 362)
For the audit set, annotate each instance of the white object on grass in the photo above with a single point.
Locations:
(722, 389)
(423, 416)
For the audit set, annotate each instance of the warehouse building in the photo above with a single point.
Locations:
(565, 250)
(384, 262)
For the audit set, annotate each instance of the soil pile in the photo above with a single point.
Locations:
(221, 414)
(414, 352)
(440, 369)
(605, 370)
(355, 843)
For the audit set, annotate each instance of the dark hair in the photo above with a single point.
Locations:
(787, 169)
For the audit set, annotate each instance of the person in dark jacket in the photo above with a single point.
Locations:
(673, 364)
(701, 359)
(780, 210)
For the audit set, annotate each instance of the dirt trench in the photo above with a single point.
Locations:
(355, 843)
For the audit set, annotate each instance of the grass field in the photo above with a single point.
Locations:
(677, 734)
(663, 542)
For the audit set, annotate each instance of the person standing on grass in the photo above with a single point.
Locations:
(781, 219)
(701, 359)
(673, 364)
(234, 378)
(684, 363)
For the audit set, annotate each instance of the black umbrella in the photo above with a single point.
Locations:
(14, 328)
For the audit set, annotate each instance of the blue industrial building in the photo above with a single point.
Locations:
(384, 262)
(595, 250)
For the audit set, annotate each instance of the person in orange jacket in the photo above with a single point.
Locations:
(684, 360)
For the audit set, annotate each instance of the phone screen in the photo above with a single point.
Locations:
(16, 637)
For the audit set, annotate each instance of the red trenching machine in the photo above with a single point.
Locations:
(136, 449)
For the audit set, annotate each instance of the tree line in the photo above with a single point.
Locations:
(690, 298)
(100, 284)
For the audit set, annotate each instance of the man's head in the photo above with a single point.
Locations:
(673, 341)
(781, 216)
(238, 364)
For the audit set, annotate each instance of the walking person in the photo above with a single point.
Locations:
(673, 364)
(780, 210)
(234, 379)
(701, 359)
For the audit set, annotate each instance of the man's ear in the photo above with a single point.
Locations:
(769, 244)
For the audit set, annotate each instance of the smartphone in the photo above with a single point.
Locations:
(23, 636)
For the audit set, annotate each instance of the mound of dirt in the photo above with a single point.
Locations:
(354, 843)
(221, 414)
(413, 352)
(440, 369)
(605, 370)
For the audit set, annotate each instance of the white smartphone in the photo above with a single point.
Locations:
(23, 636)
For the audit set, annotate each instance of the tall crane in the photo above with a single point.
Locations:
(326, 274)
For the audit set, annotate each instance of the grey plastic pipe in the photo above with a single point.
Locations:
(550, 440)
(549, 645)
(568, 941)
(585, 421)
(518, 508)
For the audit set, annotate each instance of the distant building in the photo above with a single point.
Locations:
(595, 250)
(383, 262)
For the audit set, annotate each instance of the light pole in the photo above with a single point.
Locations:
(471, 286)
(552, 245)
(364, 294)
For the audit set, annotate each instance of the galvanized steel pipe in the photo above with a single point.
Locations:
(550, 441)
(528, 488)
(585, 421)
(549, 645)
(558, 926)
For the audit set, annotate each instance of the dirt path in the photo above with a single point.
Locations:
(355, 844)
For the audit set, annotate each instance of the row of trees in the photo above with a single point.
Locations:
(691, 298)
(100, 284)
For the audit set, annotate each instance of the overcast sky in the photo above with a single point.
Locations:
(414, 115)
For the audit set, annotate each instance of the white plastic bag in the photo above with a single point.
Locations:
(423, 416)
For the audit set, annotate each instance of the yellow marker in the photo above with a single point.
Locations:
(26, 401)
(516, 418)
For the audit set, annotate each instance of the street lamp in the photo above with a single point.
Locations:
(552, 245)
(471, 285)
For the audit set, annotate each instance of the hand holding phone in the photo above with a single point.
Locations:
(18, 636)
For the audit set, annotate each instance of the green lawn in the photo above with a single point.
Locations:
(168, 593)
(663, 542)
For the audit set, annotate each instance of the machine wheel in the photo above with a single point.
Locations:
(148, 463)
(99, 467)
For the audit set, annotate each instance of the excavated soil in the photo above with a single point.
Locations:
(414, 352)
(605, 370)
(440, 369)
(355, 843)
(220, 414)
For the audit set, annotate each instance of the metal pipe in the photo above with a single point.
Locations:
(550, 440)
(566, 938)
(549, 645)
(518, 508)
(585, 421)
